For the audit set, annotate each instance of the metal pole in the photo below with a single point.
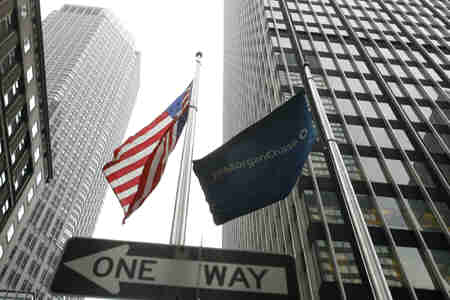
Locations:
(364, 242)
(178, 232)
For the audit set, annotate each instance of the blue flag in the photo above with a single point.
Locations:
(260, 165)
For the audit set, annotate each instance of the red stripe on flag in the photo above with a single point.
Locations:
(127, 185)
(141, 132)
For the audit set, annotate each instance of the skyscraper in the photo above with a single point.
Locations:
(381, 72)
(25, 156)
(92, 70)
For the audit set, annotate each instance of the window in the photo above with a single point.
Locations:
(13, 158)
(381, 136)
(358, 135)
(373, 169)
(30, 74)
(20, 212)
(336, 83)
(32, 102)
(10, 233)
(368, 109)
(26, 45)
(285, 42)
(415, 268)
(398, 172)
(36, 155)
(39, 178)
(6, 99)
(30, 195)
(9, 129)
(23, 10)
(355, 85)
(346, 106)
(387, 111)
(34, 129)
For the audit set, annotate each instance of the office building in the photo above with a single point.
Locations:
(25, 155)
(92, 70)
(381, 70)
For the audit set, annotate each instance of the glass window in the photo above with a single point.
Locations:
(424, 174)
(338, 132)
(442, 259)
(346, 65)
(398, 70)
(30, 74)
(383, 70)
(368, 109)
(332, 208)
(381, 136)
(285, 42)
(352, 167)
(362, 67)
(444, 211)
(26, 45)
(312, 205)
(337, 48)
(305, 45)
(32, 102)
(392, 212)
(403, 139)
(346, 106)
(415, 268)
(424, 215)
(358, 135)
(412, 116)
(387, 111)
(395, 88)
(413, 91)
(328, 104)
(398, 172)
(370, 213)
(373, 87)
(10, 233)
(336, 83)
(328, 63)
(373, 169)
(320, 46)
(356, 85)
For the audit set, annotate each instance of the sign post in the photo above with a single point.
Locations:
(116, 269)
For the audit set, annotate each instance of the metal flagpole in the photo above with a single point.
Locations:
(178, 232)
(364, 242)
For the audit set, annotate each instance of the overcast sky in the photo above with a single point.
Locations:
(168, 34)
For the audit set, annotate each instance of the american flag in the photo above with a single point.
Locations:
(138, 163)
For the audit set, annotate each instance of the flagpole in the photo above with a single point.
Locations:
(179, 220)
(364, 242)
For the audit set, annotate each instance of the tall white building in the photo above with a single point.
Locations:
(92, 72)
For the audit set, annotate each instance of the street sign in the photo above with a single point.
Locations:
(117, 269)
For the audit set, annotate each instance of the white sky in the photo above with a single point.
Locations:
(168, 34)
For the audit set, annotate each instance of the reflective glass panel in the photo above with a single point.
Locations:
(415, 268)
(392, 212)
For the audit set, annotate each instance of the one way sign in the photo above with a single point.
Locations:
(116, 269)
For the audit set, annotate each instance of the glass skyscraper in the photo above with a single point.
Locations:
(92, 70)
(381, 71)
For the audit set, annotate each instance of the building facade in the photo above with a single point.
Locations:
(381, 69)
(25, 155)
(92, 70)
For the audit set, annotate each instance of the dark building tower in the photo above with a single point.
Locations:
(25, 156)
(92, 70)
(381, 71)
